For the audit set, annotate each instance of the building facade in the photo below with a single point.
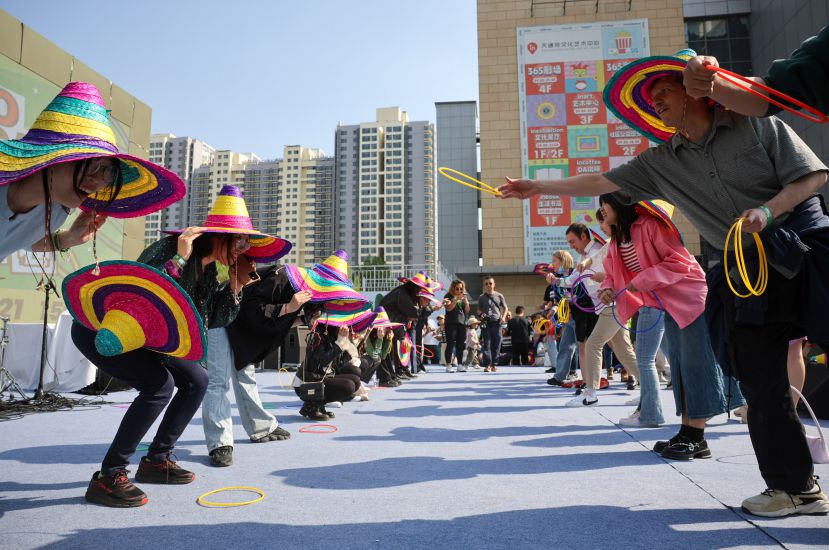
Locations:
(459, 236)
(181, 155)
(745, 35)
(385, 190)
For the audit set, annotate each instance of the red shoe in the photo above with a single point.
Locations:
(603, 384)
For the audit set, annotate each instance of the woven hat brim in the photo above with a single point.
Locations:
(358, 322)
(146, 188)
(322, 289)
(405, 357)
(657, 212)
(543, 269)
(166, 309)
(263, 247)
(623, 95)
(598, 237)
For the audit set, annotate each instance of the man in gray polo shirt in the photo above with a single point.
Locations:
(719, 166)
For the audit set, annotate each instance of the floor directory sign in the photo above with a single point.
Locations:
(565, 128)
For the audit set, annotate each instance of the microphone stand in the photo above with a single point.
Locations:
(49, 286)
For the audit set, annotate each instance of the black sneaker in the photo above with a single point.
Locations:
(327, 413)
(553, 381)
(388, 383)
(551, 370)
(631, 382)
(685, 449)
(115, 491)
(277, 435)
(660, 446)
(166, 472)
(221, 456)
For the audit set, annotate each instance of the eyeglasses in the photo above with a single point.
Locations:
(102, 169)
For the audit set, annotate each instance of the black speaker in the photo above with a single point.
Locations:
(816, 390)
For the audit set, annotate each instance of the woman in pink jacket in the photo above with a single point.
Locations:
(649, 270)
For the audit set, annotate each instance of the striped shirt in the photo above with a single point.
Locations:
(628, 253)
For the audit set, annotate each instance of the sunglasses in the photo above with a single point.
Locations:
(102, 169)
(240, 243)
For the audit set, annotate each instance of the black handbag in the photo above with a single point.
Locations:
(311, 391)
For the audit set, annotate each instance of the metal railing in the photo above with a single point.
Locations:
(372, 279)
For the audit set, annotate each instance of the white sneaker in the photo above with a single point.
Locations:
(450, 368)
(581, 402)
(742, 414)
(634, 402)
(462, 368)
(633, 421)
(335, 404)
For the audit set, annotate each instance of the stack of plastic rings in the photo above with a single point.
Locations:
(540, 326)
(759, 287)
(644, 330)
(563, 311)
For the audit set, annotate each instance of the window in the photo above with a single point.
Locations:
(724, 37)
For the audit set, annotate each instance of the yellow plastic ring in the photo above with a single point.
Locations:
(210, 504)
(542, 324)
(279, 378)
(475, 184)
(759, 287)
(563, 312)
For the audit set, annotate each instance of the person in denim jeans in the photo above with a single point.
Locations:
(648, 269)
(492, 308)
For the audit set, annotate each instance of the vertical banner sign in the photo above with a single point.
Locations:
(565, 128)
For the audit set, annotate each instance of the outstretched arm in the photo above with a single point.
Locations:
(585, 185)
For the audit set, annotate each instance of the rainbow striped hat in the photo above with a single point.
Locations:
(598, 237)
(423, 280)
(75, 126)
(132, 305)
(404, 350)
(326, 281)
(429, 296)
(338, 313)
(662, 211)
(628, 93)
(229, 214)
(382, 319)
(543, 269)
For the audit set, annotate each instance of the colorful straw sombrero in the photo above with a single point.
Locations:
(326, 281)
(382, 319)
(428, 295)
(627, 94)
(543, 269)
(662, 211)
(132, 305)
(229, 214)
(598, 237)
(75, 126)
(357, 315)
(423, 280)
(405, 355)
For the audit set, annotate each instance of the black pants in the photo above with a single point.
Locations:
(520, 353)
(154, 376)
(339, 387)
(455, 341)
(368, 367)
(759, 353)
(434, 359)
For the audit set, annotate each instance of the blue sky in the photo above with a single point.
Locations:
(254, 75)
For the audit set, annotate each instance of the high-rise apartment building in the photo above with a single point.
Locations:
(459, 237)
(181, 155)
(291, 197)
(385, 197)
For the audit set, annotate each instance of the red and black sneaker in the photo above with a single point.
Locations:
(116, 491)
(166, 472)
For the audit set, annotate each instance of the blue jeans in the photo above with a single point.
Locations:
(567, 349)
(552, 350)
(216, 413)
(647, 344)
(696, 375)
(491, 342)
